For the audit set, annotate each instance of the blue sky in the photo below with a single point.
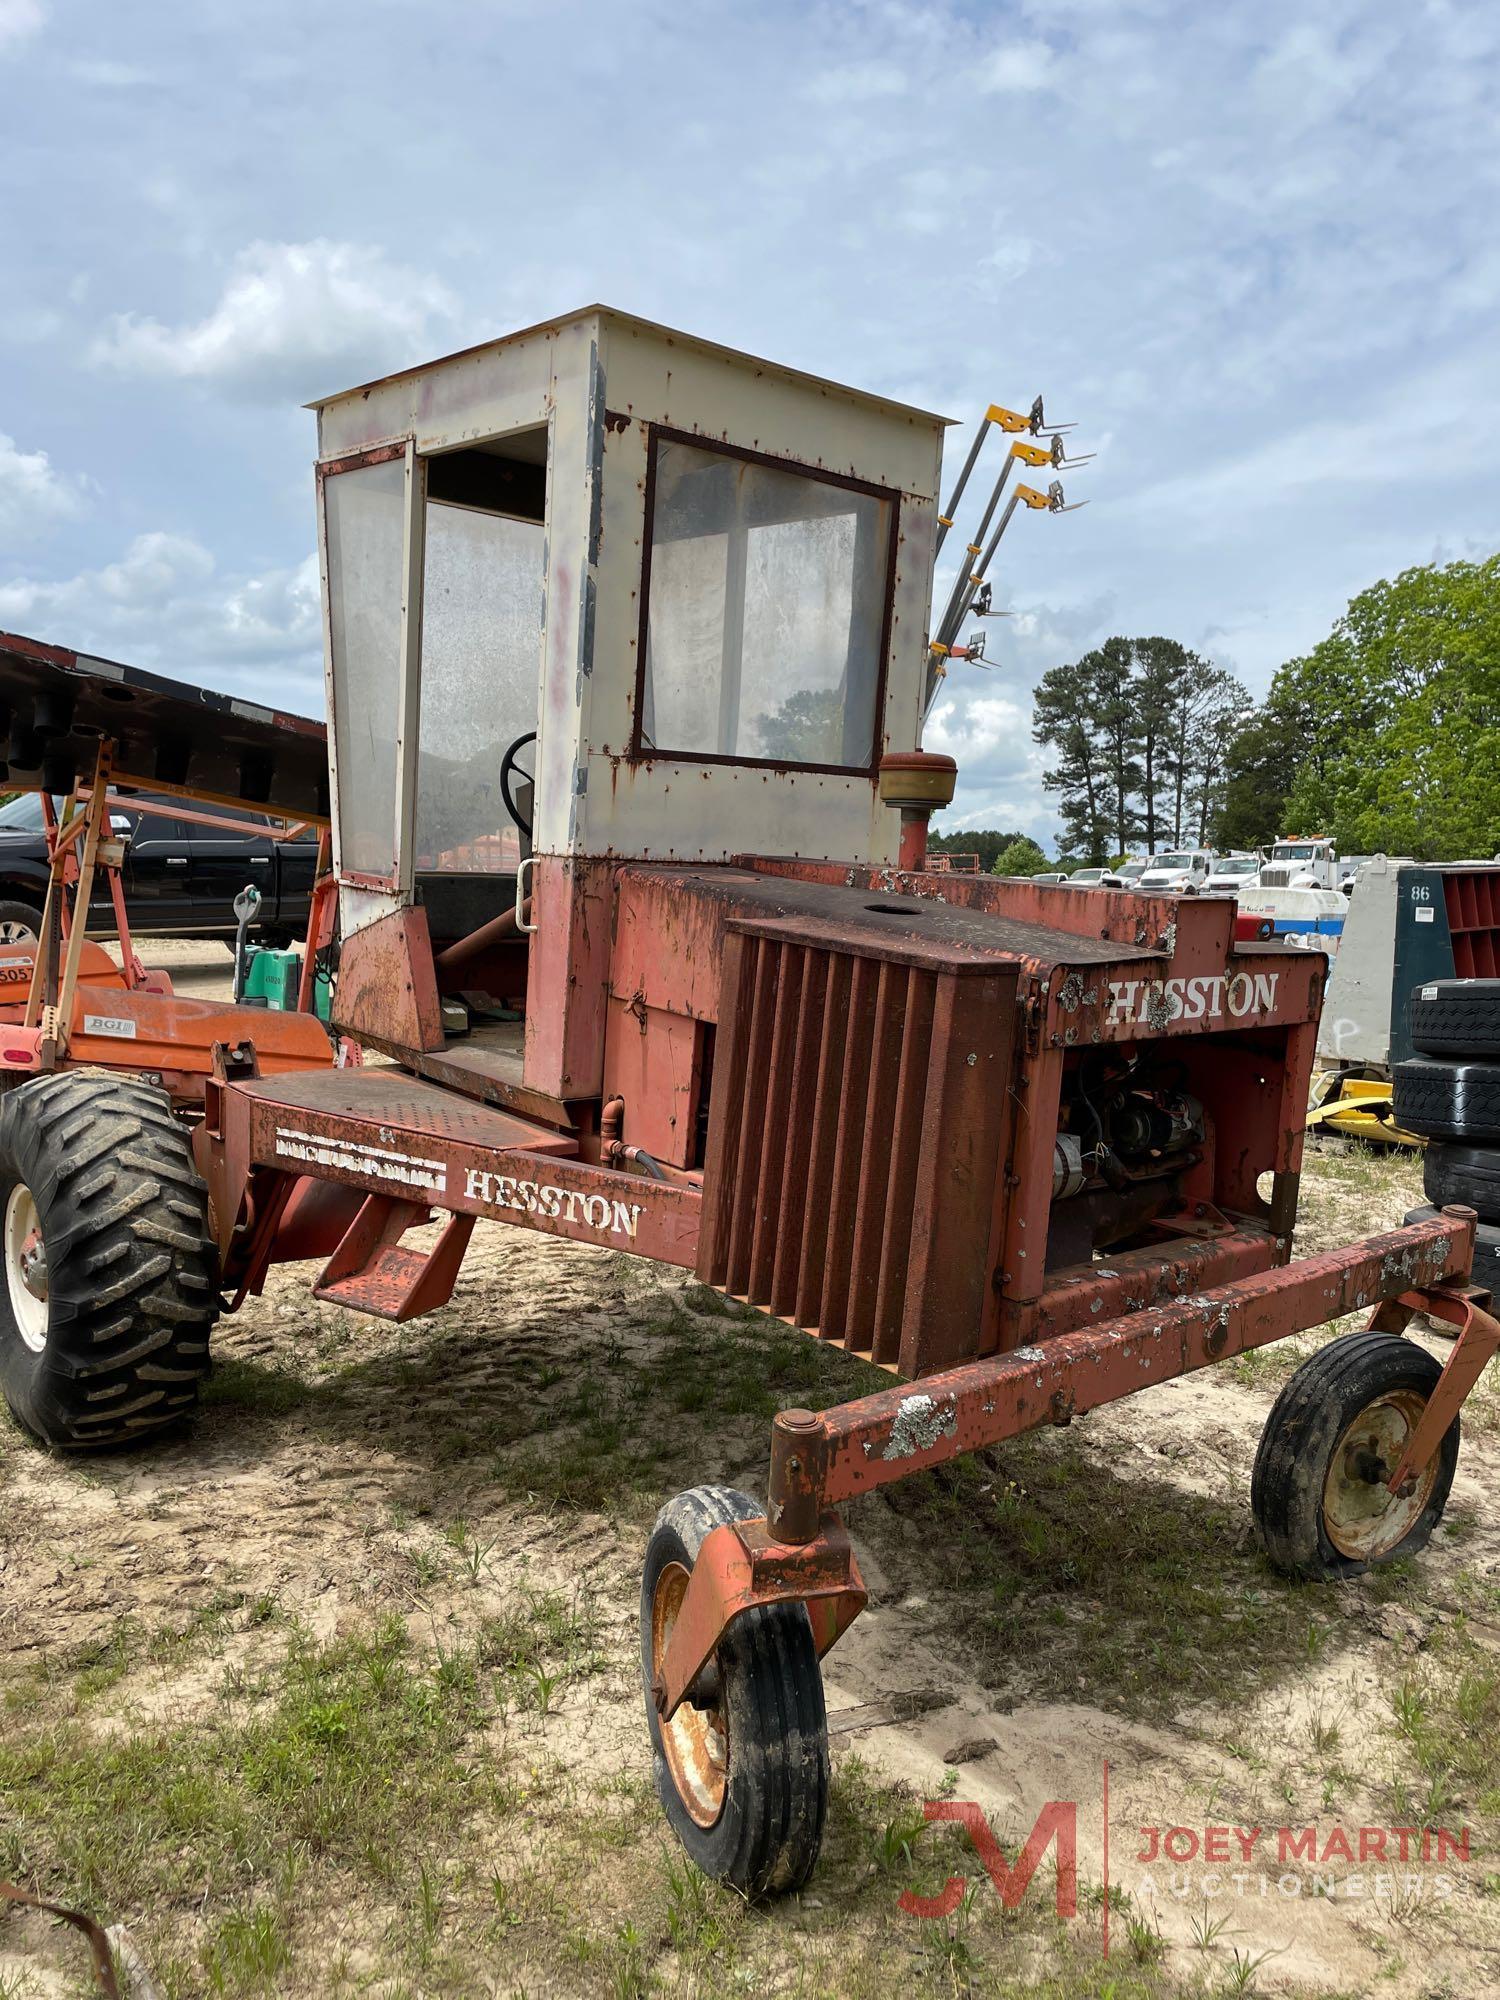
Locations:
(1250, 248)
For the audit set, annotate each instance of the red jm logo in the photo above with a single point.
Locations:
(1058, 1820)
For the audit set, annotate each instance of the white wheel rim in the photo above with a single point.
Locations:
(14, 933)
(26, 1268)
(1364, 1519)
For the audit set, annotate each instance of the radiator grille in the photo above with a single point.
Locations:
(1472, 898)
(853, 1143)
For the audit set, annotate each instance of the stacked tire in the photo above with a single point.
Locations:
(1449, 1094)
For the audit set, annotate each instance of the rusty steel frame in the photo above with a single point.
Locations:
(49, 1004)
(282, 828)
(799, 1552)
(741, 1565)
(880, 1438)
(1478, 1340)
(439, 1148)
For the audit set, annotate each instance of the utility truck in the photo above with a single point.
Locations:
(628, 661)
(1297, 863)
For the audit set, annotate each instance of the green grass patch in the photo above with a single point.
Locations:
(1074, 1581)
(1447, 1715)
(356, 1757)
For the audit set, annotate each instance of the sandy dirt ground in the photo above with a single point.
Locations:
(466, 1499)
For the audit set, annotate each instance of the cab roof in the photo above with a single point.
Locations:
(634, 323)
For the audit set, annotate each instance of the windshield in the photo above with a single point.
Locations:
(1172, 861)
(23, 813)
(1295, 851)
(1131, 869)
(1236, 866)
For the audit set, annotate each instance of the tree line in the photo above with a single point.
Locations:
(1138, 731)
(1385, 736)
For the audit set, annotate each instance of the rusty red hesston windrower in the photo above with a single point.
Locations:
(628, 665)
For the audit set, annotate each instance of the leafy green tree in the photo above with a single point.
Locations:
(1162, 667)
(1262, 761)
(1064, 722)
(1114, 694)
(806, 729)
(986, 842)
(1138, 729)
(1021, 857)
(1386, 735)
(1219, 703)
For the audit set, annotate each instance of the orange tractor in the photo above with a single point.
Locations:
(628, 665)
(119, 1060)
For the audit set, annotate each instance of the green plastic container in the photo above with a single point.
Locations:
(272, 979)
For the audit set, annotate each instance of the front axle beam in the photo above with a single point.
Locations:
(819, 1461)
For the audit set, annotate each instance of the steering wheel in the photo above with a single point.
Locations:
(508, 767)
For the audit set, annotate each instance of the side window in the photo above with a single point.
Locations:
(152, 827)
(364, 513)
(255, 826)
(765, 611)
(481, 668)
(483, 579)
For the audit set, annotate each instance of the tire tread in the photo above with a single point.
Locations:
(767, 1839)
(131, 1265)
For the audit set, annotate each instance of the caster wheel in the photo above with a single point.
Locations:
(1333, 1439)
(742, 1767)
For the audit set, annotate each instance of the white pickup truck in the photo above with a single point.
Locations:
(1183, 873)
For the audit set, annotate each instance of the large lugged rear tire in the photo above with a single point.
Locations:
(1332, 1440)
(109, 1291)
(742, 1768)
(1447, 1100)
(1456, 1017)
(1466, 1175)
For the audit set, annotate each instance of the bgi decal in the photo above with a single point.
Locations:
(1210, 997)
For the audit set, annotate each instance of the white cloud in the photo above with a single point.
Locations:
(19, 19)
(976, 729)
(164, 604)
(32, 493)
(1017, 66)
(856, 83)
(1008, 257)
(293, 320)
(1238, 239)
(106, 75)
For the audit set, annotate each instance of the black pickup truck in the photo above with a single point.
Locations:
(180, 879)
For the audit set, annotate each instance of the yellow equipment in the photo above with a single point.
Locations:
(1359, 1107)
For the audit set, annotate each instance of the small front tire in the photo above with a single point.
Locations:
(741, 1769)
(1331, 1443)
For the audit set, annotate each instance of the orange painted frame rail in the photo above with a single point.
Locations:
(799, 1551)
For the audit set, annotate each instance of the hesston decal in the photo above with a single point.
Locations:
(594, 1211)
(1211, 997)
(600, 1213)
